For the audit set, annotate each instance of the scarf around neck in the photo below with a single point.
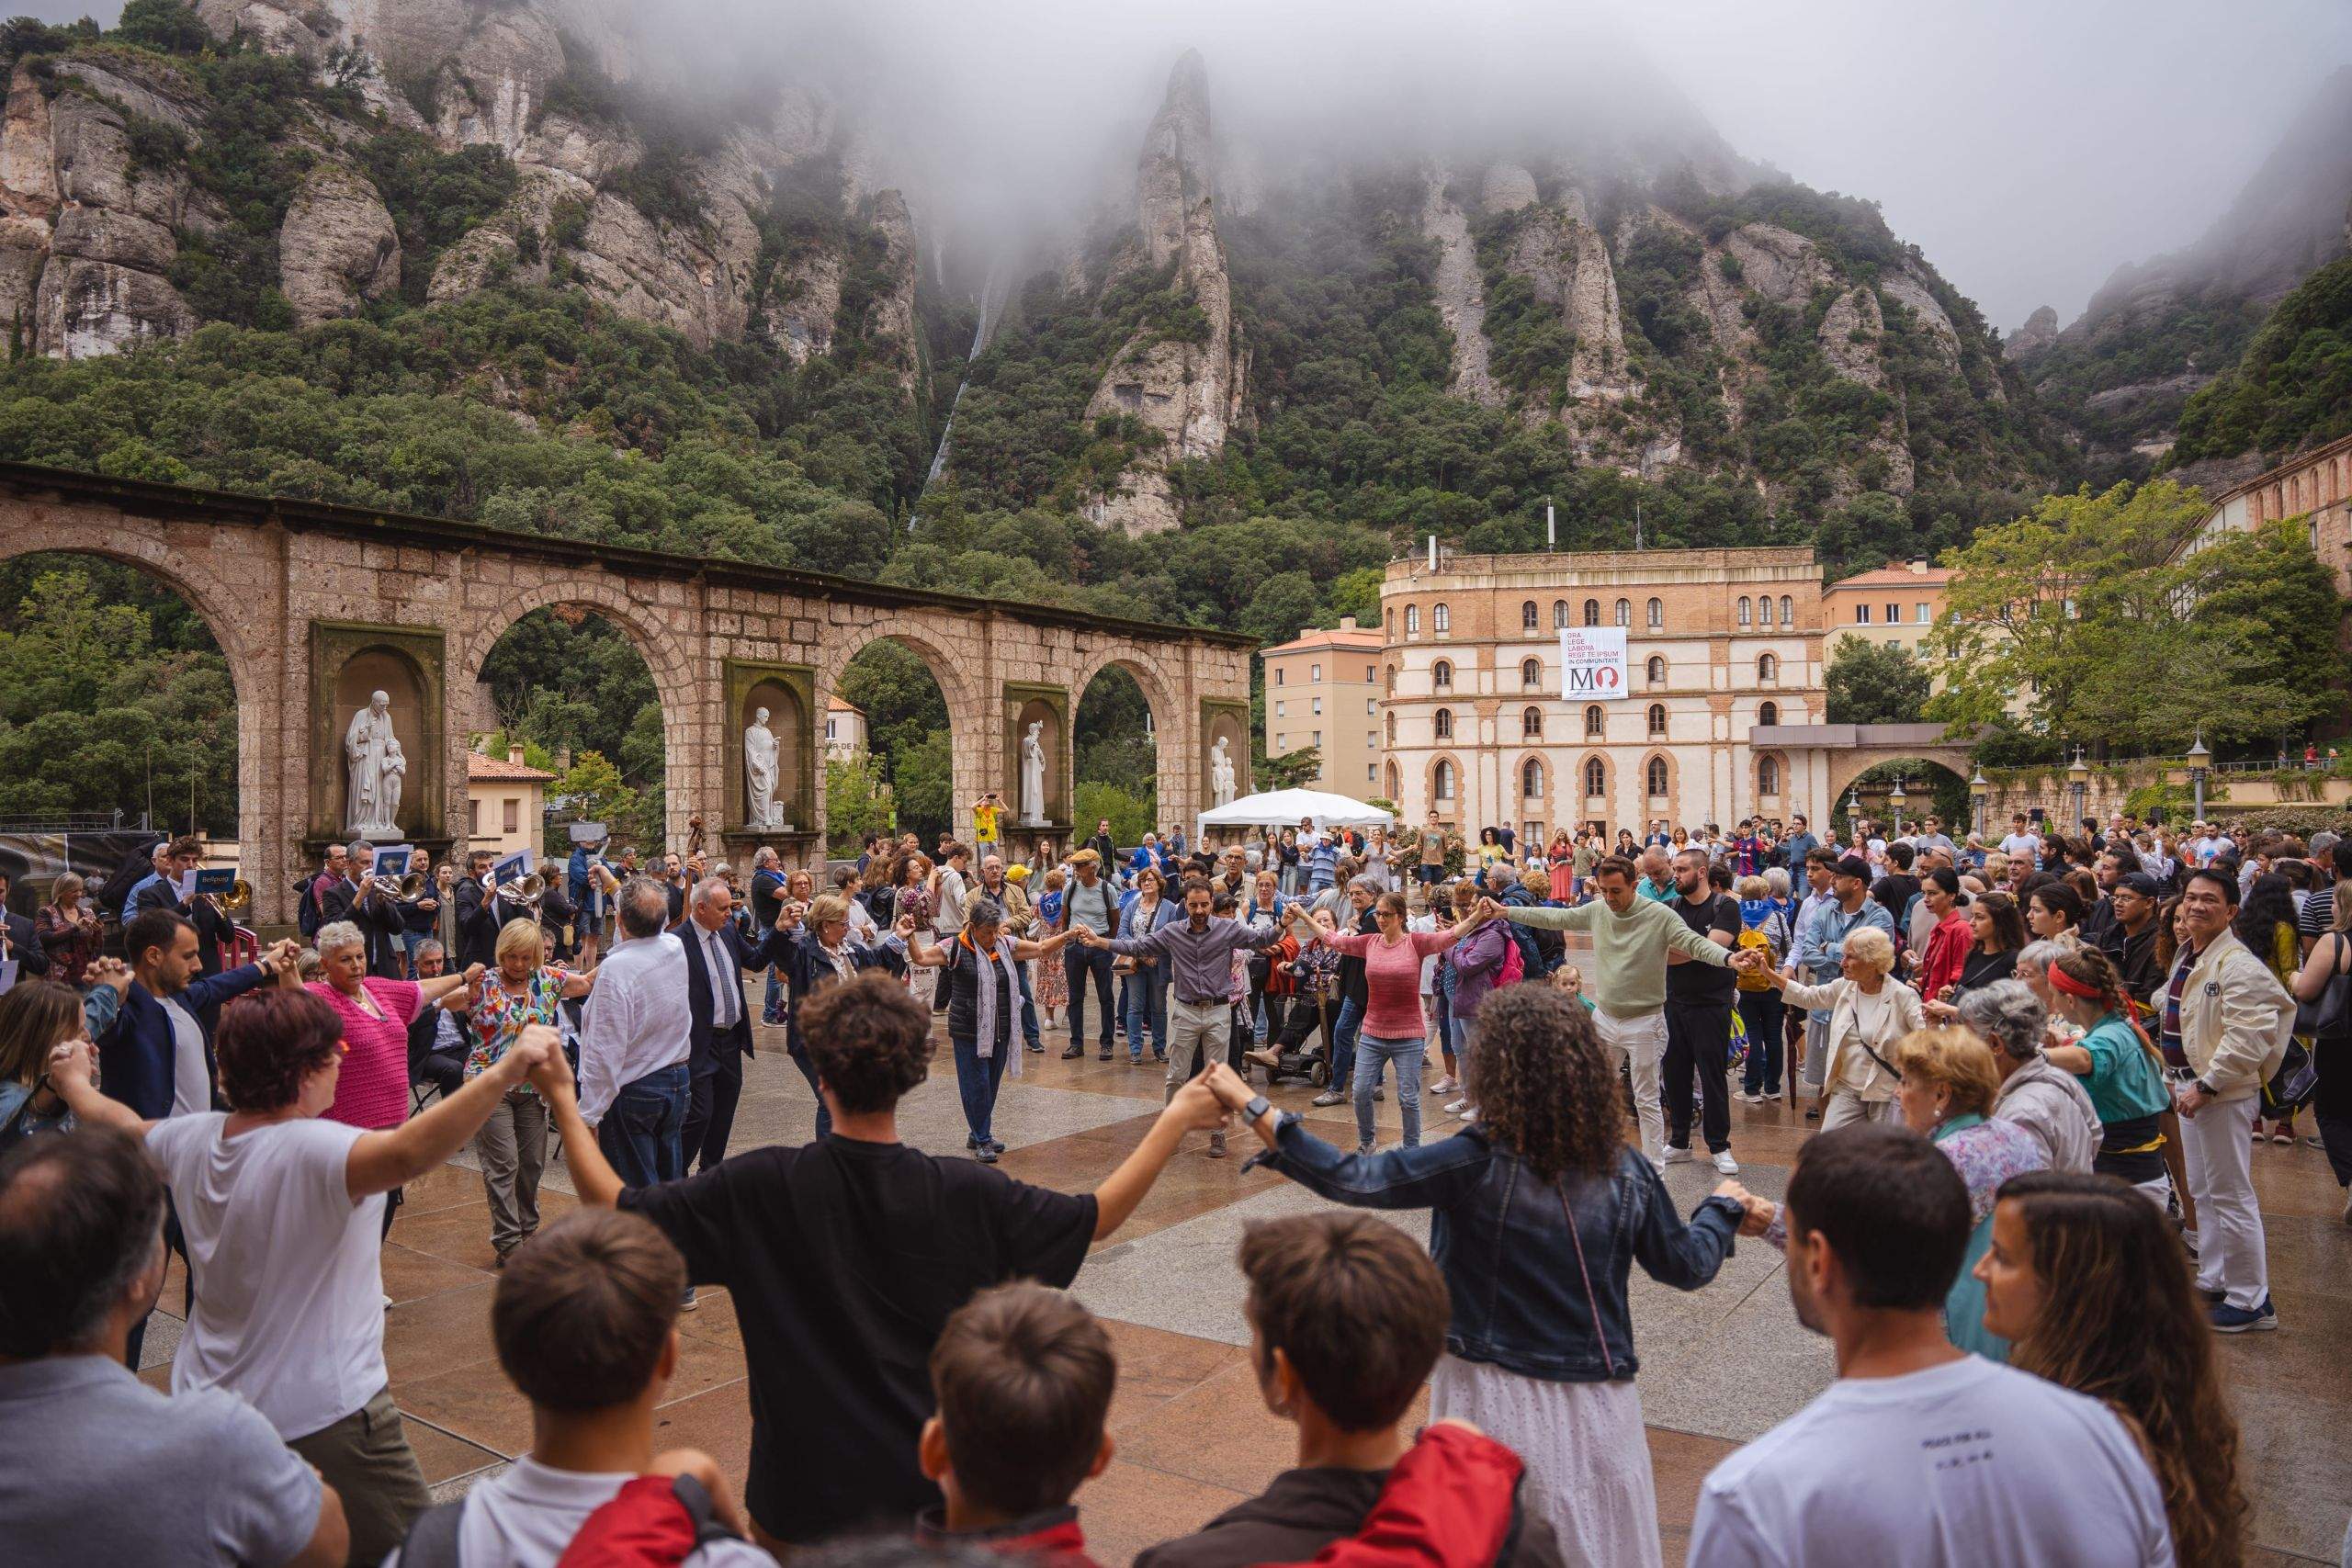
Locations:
(984, 992)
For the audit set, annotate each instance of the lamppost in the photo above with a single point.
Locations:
(1978, 788)
(1853, 806)
(2078, 784)
(2198, 758)
(1894, 802)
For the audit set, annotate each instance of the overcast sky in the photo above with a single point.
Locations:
(2026, 146)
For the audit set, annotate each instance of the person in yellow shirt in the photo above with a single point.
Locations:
(986, 813)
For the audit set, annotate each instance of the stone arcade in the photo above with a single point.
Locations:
(318, 609)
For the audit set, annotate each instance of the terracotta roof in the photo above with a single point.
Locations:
(1894, 577)
(498, 769)
(1330, 640)
(834, 704)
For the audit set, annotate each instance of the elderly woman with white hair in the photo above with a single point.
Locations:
(2035, 1093)
(371, 1091)
(983, 1006)
(1868, 1011)
(524, 989)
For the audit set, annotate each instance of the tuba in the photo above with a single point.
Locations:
(526, 892)
(413, 887)
(239, 898)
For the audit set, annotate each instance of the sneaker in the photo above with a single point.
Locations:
(1074, 1052)
(1445, 1085)
(387, 1304)
(1725, 1164)
(1454, 1107)
(1216, 1145)
(1379, 1094)
(1364, 1149)
(971, 1143)
(1329, 1097)
(1034, 1045)
(997, 1144)
(986, 1154)
(1812, 1114)
(1676, 1156)
(2282, 1135)
(2227, 1319)
(1469, 1114)
(687, 1301)
(1103, 1056)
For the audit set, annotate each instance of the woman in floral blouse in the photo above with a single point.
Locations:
(522, 991)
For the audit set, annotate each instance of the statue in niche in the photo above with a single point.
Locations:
(1221, 775)
(1033, 775)
(374, 766)
(759, 773)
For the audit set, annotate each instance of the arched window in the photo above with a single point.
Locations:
(1388, 683)
(1768, 669)
(1531, 673)
(1592, 611)
(1596, 780)
(1442, 675)
(1442, 782)
(1786, 618)
(1768, 713)
(1655, 670)
(1657, 778)
(1747, 611)
(1441, 724)
(1527, 617)
(1768, 776)
(1396, 781)
(1531, 724)
(1531, 780)
(1390, 621)
(1658, 613)
(1412, 620)
(1440, 618)
(1625, 612)
(1658, 718)
(1559, 615)
(1593, 719)
(1392, 735)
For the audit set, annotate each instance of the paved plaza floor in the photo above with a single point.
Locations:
(1718, 1366)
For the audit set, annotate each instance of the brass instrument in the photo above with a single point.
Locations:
(413, 884)
(239, 898)
(527, 891)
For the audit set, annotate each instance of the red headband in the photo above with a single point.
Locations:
(2068, 984)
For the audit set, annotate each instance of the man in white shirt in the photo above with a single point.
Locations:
(635, 1039)
(1917, 1454)
(585, 1321)
(2021, 839)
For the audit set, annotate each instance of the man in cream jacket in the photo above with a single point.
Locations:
(2226, 1024)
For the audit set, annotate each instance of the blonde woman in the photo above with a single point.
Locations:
(523, 989)
(1868, 1011)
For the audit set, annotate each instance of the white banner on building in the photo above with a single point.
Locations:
(1592, 663)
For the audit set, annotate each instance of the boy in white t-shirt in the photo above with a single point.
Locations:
(585, 1321)
(1917, 1454)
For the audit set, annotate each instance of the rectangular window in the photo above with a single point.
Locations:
(1921, 614)
(1861, 618)
(1893, 613)
(1319, 738)
(1368, 772)
(1281, 710)
(1315, 672)
(1368, 674)
(1317, 705)
(1278, 674)
(511, 810)
(1282, 742)
(473, 820)
(1370, 706)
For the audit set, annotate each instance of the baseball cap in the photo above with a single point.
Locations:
(2139, 882)
(1854, 866)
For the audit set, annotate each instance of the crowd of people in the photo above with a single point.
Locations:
(2034, 1073)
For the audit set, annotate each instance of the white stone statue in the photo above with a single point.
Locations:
(1033, 775)
(372, 757)
(1221, 775)
(759, 773)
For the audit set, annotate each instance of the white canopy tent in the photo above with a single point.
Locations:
(1288, 808)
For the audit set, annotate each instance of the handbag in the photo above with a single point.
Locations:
(2328, 1016)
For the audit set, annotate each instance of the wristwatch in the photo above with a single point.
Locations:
(2201, 1086)
(1258, 1105)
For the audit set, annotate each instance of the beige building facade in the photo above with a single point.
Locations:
(1323, 690)
(1894, 607)
(1718, 642)
(506, 802)
(2315, 486)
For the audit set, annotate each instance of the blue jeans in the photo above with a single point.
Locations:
(1406, 1053)
(809, 1070)
(772, 1004)
(642, 1133)
(1147, 1004)
(975, 1081)
(1343, 1041)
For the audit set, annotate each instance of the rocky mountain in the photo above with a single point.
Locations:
(2158, 331)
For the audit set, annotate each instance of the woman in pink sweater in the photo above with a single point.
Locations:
(1393, 1029)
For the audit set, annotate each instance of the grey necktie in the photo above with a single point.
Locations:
(726, 988)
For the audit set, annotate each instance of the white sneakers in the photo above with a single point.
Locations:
(1725, 1164)
(1675, 1155)
(1454, 1107)
(1723, 1161)
(1445, 1085)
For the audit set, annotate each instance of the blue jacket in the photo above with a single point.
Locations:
(135, 1054)
(1501, 1239)
(802, 959)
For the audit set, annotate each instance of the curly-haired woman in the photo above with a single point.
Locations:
(2087, 1281)
(1539, 1210)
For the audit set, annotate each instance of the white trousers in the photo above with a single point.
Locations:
(1843, 1105)
(1640, 1042)
(2216, 1145)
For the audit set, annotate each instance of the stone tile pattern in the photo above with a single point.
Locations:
(259, 587)
(1718, 1366)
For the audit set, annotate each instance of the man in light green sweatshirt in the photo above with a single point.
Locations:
(1631, 939)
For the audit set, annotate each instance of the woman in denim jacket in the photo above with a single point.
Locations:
(1539, 1210)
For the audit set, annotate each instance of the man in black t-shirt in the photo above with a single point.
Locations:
(1699, 1000)
(845, 1259)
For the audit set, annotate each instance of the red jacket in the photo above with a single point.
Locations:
(1947, 955)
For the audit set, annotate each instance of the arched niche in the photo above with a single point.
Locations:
(1228, 722)
(788, 693)
(1047, 707)
(351, 661)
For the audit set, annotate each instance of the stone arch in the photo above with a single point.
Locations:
(1180, 750)
(971, 712)
(243, 621)
(690, 698)
(1845, 767)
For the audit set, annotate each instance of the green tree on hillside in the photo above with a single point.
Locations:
(1872, 682)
